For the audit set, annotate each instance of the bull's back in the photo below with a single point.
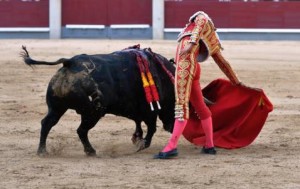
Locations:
(120, 82)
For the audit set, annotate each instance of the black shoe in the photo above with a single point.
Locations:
(211, 151)
(166, 155)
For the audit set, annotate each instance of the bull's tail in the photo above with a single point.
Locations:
(30, 62)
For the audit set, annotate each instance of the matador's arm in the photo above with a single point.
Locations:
(200, 22)
(226, 68)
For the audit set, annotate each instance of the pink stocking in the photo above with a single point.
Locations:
(208, 131)
(177, 131)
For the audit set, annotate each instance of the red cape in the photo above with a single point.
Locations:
(238, 115)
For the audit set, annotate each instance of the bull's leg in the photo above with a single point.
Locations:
(87, 122)
(151, 129)
(47, 123)
(138, 133)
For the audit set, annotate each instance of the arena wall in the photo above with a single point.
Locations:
(130, 19)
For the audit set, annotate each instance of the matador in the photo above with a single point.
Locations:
(197, 41)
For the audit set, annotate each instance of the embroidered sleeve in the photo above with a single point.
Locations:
(200, 22)
(226, 68)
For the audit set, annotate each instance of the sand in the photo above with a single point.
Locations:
(271, 161)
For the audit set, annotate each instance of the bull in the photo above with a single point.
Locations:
(96, 85)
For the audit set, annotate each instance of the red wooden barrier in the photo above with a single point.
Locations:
(235, 14)
(17, 13)
(107, 12)
(84, 12)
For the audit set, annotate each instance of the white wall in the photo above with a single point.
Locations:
(55, 19)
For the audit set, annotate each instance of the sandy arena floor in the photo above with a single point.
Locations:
(271, 161)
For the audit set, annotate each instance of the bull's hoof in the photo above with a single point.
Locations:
(140, 145)
(135, 139)
(90, 152)
(42, 152)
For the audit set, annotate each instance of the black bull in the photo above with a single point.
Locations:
(95, 85)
